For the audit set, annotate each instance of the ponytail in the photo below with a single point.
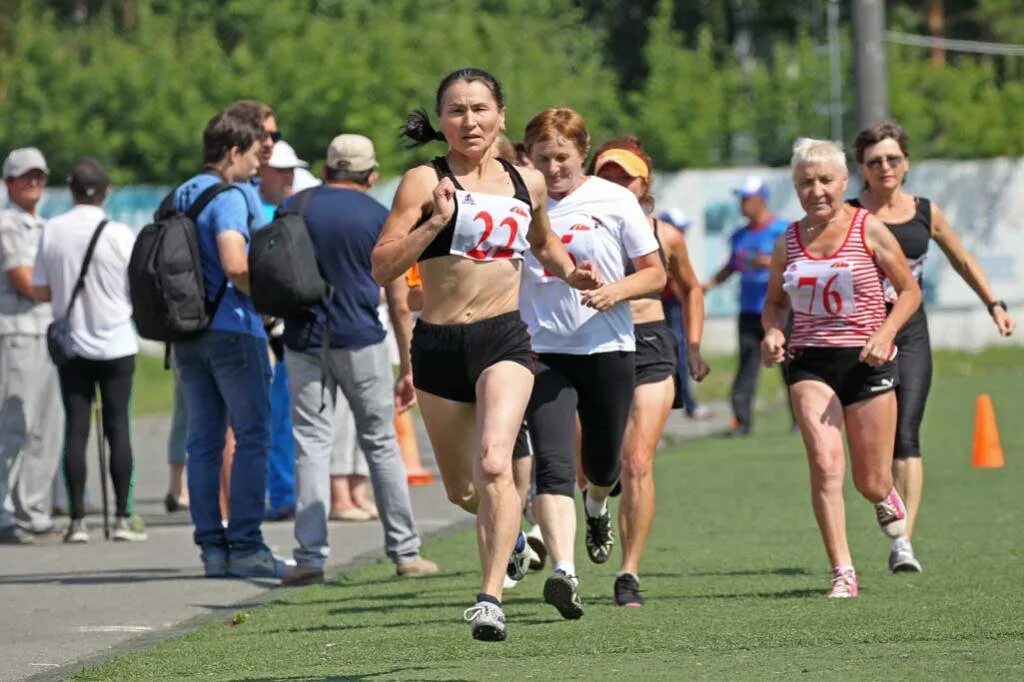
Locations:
(419, 130)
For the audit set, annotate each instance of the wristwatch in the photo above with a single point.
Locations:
(992, 306)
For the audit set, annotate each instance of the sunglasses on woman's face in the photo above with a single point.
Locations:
(274, 136)
(891, 160)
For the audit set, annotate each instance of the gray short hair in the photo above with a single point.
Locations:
(808, 150)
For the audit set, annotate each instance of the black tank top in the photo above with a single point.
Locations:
(915, 234)
(442, 243)
(630, 269)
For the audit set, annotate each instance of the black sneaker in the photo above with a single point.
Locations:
(600, 538)
(562, 592)
(627, 591)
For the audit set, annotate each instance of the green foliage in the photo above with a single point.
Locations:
(133, 82)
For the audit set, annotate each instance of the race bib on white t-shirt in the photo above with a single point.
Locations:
(579, 241)
(823, 288)
(489, 227)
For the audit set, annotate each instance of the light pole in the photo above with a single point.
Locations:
(869, 61)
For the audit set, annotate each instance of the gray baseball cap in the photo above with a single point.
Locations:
(21, 161)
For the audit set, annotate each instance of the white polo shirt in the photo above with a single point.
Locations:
(603, 223)
(101, 320)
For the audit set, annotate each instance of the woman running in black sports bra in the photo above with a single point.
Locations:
(467, 218)
(882, 152)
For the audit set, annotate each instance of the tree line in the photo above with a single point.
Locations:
(704, 83)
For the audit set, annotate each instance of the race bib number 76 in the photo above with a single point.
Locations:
(821, 288)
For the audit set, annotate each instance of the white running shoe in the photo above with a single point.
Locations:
(486, 621)
(519, 562)
(902, 559)
(129, 530)
(77, 533)
(891, 514)
(844, 584)
(509, 583)
(535, 539)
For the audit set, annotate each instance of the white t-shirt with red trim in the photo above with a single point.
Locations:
(602, 223)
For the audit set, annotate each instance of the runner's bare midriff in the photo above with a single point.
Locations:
(457, 290)
(646, 310)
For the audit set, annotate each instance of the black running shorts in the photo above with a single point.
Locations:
(840, 368)
(657, 352)
(447, 359)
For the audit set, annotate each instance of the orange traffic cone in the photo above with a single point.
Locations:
(988, 452)
(415, 474)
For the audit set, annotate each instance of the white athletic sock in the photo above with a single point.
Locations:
(595, 508)
(901, 543)
(567, 567)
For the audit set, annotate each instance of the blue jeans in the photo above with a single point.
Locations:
(674, 317)
(281, 464)
(226, 378)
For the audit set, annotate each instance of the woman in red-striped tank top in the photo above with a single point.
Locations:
(842, 369)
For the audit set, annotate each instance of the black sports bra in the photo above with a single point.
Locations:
(656, 295)
(915, 234)
(442, 243)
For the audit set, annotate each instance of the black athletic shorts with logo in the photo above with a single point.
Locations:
(841, 368)
(447, 359)
(657, 352)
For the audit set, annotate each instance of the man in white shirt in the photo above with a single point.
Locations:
(30, 426)
(105, 345)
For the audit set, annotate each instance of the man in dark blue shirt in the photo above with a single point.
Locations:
(344, 223)
(750, 255)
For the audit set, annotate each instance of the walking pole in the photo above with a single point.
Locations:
(101, 449)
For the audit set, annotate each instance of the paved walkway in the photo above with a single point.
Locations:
(60, 604)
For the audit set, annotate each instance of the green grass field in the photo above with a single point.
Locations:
(734, 577)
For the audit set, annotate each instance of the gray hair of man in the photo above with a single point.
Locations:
(809, 151)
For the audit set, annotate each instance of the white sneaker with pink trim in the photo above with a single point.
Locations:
(844, 584)
(891, 514)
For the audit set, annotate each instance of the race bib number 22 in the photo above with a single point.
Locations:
(489, 227)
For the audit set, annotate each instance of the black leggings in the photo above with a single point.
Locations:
(600, 387)
(914, 364)
(78, 380)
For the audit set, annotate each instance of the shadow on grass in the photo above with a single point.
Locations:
(408, 673)
(357, 626)
(793, 570)
(344, 580)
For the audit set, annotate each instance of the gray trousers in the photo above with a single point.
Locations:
(364, 377)
(346, 457)
(31, 431)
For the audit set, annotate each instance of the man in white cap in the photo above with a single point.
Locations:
(344, 223)
(31, 418)
(277, 178)
(751, 250)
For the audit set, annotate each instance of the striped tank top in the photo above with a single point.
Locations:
(837, 301)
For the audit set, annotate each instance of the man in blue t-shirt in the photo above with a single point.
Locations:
(344, 223)
(750, 255)
(225, 372)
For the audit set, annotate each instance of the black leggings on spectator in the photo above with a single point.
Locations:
(78, 381)
(600, 388)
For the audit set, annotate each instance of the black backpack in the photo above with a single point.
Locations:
(165, 273)
(284, 274)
